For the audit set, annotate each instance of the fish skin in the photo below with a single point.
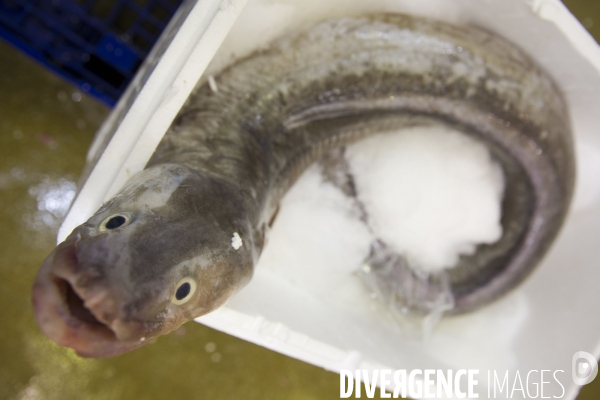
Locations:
(230, 156)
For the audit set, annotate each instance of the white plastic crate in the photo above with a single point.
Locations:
(539, 326)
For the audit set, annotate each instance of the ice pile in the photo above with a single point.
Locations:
(432, 193)
(429, 193)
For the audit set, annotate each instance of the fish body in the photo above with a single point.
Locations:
(185, 233)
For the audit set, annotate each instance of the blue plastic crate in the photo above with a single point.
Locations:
(96, 44)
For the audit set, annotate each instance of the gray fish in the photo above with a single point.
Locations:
(185, 233)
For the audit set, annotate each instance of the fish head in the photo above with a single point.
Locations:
(171, 246)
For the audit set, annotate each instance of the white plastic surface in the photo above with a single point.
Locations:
(537, 327)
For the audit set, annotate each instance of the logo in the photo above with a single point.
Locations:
(584, 368)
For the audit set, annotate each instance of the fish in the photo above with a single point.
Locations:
(184, 234)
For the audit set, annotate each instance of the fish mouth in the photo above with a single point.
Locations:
(78, 318)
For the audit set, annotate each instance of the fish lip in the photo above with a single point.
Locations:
(54, 317)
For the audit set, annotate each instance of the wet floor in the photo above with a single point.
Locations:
(46, 127)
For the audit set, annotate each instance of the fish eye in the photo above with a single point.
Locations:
(114, 221)
(184, 292)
